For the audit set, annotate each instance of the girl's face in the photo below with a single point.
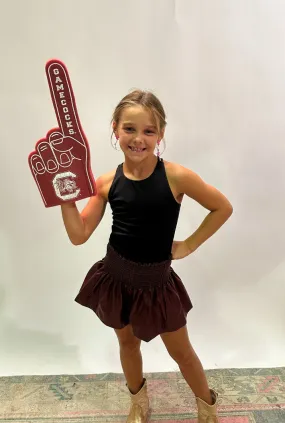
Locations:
(137, 133)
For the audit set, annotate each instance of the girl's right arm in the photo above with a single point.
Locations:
(80, 226)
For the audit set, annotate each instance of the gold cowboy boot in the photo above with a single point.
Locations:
(139, 412)
(208, 413)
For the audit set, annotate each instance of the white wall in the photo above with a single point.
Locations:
(218, 68)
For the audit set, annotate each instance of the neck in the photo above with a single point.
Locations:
(142, 169)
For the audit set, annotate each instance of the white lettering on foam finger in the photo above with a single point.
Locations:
(60, 90)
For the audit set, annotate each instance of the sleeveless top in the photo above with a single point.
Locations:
(145, 215)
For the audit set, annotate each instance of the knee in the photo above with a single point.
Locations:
(129, 345)
(128, 342)
(184, 358)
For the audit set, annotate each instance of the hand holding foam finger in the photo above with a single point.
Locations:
(60, 163)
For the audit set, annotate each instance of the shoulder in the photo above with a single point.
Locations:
(188, 182)
(177, 173)
(104, 182)
(181, 176)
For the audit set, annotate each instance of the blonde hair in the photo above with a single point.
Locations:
(142, 98)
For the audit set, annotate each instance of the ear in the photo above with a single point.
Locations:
(114, 125)
(161, 135)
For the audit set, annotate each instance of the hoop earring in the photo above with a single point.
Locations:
(157, 149)
(115, 143)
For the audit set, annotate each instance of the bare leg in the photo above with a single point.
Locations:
(181, 350)
(131, 358)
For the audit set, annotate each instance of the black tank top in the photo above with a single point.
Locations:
(145, 215)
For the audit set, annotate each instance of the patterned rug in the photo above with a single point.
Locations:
(245, 396)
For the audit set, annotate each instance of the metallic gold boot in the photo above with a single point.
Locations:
(139, 412)
(208, 413)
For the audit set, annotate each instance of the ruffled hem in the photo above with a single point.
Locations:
(150, 310)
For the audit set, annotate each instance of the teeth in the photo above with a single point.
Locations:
(138, 150)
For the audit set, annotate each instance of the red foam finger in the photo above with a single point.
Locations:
(63, 99)
(60, 163)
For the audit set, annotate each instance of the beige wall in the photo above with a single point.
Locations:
(218, 67)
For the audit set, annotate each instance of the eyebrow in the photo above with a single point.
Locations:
(131, 123)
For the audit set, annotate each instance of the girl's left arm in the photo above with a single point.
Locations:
(189, 183)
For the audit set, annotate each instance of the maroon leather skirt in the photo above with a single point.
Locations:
(149, 297)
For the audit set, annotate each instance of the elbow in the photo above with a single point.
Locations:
(227, 207)
(230, 209)
(225, 210)
(77, 241)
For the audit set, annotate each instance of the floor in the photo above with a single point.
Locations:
(245, 396)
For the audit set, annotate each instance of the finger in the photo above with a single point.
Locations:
(61, 148)
(63, 158)
(58, 141)
(37, 164)
(48, 157)
(63, 99)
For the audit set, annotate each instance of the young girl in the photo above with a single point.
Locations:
(134, 289)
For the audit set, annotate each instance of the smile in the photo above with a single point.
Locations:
(137, 150)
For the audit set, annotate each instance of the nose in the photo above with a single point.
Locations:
(138, 137)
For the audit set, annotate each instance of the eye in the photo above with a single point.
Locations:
(128, 128)
(149, 131)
